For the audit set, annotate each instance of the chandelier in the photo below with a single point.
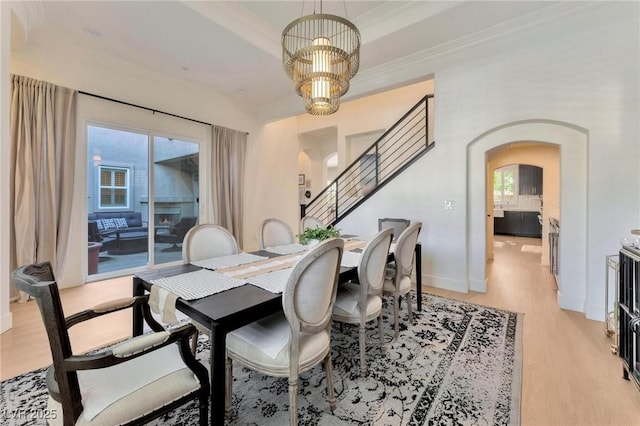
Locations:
(320, 53)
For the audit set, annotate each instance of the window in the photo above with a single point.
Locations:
(114, 188)
(504, 185)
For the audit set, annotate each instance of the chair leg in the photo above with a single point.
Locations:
(380, 334)
(228, 394)
(293, 401)
(204, 410)
(363, 364)
(194, 342)
(328, 369)
(396, 308)
(409, 308)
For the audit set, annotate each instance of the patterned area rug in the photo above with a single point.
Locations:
(458, 364)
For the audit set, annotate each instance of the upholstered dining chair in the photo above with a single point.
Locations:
(274, 232)
(398, 225)
(311, 222)
(305, 326)
(132, 382)
(206, 241)
(398, 283)
(360, 303)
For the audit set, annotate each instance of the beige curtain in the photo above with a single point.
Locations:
(227, 168)
(43, 129)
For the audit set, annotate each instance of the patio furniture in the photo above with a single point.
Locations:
(175, 234)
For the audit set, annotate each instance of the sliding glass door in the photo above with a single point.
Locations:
(138, 210)
(175, 195)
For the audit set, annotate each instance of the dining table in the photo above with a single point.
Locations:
(235, 307)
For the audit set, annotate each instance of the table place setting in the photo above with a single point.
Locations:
(228, 261)
(197, 284)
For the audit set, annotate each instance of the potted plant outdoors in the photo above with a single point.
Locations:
(312, 236)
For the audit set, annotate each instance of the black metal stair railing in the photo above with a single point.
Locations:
(406, 141)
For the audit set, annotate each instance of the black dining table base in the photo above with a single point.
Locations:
(227, 311)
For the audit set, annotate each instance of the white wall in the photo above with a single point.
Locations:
(580, 70)
(572, 80)
(112, 78)
(5, 204)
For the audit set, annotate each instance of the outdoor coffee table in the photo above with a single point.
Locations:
(130, 242)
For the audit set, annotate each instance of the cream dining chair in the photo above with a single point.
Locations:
(274, 232)
(398, 225)
(311, 222)
(305, 325)
(360, 303)
(206, 241)
(399, 282)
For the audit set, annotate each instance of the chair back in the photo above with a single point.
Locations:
(398, 225)
(373, 264)
(274, 232)
(311, 222)
(405, 250)
(310, 292)
(206, 241)
(38, 281)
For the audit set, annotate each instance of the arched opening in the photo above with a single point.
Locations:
(572, 211)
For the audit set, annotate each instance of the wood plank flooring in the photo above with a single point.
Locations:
(569, 377)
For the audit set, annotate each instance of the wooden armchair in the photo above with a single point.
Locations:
(131, 382)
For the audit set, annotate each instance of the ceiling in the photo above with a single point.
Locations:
(234, 46)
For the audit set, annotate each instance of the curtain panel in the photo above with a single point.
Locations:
(43, 149)
(227, 168)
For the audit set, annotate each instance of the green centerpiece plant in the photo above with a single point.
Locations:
(318, 234)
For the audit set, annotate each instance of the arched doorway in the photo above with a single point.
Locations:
(572, 142)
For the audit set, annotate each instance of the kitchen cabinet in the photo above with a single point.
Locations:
(629, 313)
(529, 180)
(500, 226)
(519, 224)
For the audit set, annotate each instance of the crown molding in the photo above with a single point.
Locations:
(417, 66)
(389, 16)
(240, 21)
(29, 15)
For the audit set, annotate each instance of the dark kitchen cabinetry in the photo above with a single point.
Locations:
(629, 313)
(519, 224)
(530, 180)
(500, 226)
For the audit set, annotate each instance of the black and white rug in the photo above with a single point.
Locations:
(458, 364)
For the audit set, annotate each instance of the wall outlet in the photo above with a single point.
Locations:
(448, 204)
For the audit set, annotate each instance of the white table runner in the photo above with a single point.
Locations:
(287, 249)
(228, 261)
(275, 282)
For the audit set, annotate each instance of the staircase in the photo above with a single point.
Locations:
(399, 147)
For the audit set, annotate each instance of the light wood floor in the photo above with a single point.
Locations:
(569, 377)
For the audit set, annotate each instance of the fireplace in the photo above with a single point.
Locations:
(166, 216)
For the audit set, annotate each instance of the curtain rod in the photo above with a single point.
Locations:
(144, 107)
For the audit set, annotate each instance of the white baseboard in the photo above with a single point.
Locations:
(478, 285)
(6, 322)
(595, 312)
(445, 283)
(570, 303)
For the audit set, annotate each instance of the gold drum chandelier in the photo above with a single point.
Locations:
(321, 54)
